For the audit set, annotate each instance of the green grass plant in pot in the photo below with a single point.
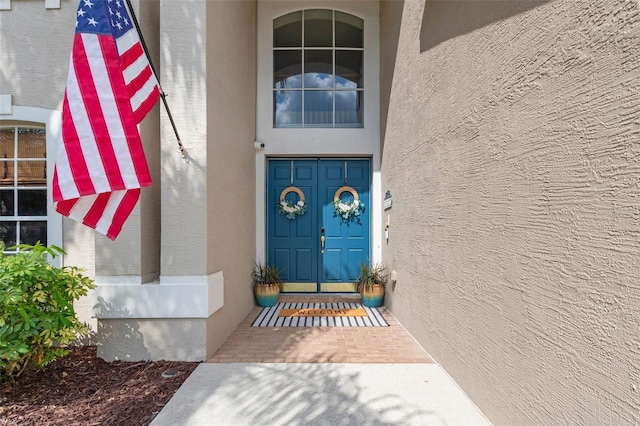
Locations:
(371, 284)
(266, 284)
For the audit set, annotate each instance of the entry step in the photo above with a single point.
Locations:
(320, 298)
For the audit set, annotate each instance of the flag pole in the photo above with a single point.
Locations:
(132, 14)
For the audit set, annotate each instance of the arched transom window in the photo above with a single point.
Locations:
(318, 70)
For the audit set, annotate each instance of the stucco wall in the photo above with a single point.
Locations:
(35, 44)
(136, 251)
(512, 155)
(231, 97)
(34, 52)
(183, 47)
(145, 339)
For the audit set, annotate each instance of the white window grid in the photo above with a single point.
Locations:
(334, 89)
(15, 187)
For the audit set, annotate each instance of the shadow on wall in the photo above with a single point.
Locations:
(126, 339)
(447, 19)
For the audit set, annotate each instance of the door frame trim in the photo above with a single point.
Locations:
(313, 288)
(376, 228)
(278, 142)
(375, 219)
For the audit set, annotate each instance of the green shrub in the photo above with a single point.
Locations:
(36, 308)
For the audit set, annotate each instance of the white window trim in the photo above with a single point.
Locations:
(285, 141)
(353, 142)
(48, 4)
(51, 119)
(304, 49)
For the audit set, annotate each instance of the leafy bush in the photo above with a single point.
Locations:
(36, 308)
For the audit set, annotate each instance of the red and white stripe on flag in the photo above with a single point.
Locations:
(100, 164)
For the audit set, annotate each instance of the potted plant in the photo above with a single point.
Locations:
(266, 284)
(371, 283)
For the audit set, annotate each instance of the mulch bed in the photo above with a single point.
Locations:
(81, 389)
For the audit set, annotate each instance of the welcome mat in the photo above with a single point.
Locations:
(323, 312)
(319, 315)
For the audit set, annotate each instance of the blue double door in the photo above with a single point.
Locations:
(318, 250)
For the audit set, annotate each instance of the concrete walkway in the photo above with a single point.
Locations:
(319, 376)
(319, 394)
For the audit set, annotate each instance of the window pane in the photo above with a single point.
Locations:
(349, 69)
(7, 143)
(287, 69)
(6, 173)
(318, 28)
(287, 30)
(32, 173)
(348, 30)
(8, 233)
(318, 69)
(287, 108)
(32, 232)
(318, 108)
(6, 202)
(32, 202)
(32, 143)
(349, 108)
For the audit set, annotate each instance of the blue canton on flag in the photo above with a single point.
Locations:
(92, 18)
(120, 20)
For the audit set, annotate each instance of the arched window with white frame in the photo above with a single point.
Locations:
(318, 70)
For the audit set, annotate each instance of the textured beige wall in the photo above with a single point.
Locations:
(150, 198)
(34, 52)
(184, 181)
(136, 251)
(79, 244)
(231, 114)
(35, 44)
(512, 154)
(149, 339)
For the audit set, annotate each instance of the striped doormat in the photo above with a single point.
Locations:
(319, 315)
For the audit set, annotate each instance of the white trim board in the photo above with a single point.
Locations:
(172, 297)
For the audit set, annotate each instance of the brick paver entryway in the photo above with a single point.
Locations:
(321, 344)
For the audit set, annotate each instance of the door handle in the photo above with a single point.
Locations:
(322, 244)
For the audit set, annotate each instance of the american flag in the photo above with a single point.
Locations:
(100, 164)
